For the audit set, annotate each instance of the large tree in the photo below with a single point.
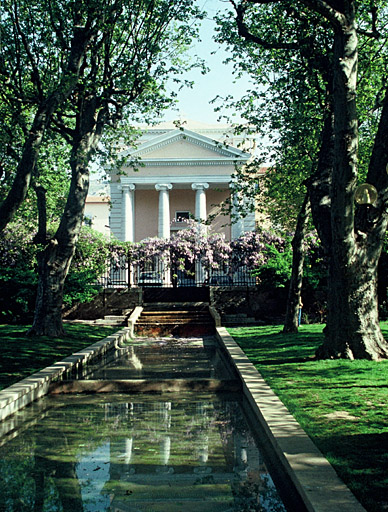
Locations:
(353, 234)
(137, 49)
(43, 45)
(287, 106)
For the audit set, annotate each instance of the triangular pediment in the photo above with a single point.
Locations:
(185, 144)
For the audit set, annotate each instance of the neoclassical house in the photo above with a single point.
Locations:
(185, 172)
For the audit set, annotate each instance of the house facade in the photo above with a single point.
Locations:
(184, 173)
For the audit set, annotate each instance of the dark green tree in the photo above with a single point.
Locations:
(123, 76)
(352, 235)
(43, 45)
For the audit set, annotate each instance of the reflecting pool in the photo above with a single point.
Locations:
(135, 453)
(165, 358)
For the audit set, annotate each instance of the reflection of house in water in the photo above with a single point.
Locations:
(150, 453)
(188, 453)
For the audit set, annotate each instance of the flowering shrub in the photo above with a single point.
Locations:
(263, 254)
(197, 243)
(253, 249)
(19, 275)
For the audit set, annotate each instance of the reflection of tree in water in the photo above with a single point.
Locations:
(253, 489)
(35, 480)
(256, 496)
(48, 473)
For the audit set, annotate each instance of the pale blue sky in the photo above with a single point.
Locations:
(194, 103)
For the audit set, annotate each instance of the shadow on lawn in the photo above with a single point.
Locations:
(258, 344)
(350, 455)
(21, 355)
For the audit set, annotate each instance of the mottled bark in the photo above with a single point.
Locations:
(298, 254)
(41, 235)
(319, 185)
(353, 329)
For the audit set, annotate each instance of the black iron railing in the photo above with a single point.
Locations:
(158, 273)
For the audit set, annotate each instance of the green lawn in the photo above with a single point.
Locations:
(20, 356)
(341, 404)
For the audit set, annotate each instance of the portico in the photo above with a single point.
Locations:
(183, 174)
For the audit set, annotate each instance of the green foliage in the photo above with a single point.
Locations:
(276, 272)
(88, 264)
(288, 56)
(18, 271)
(276, 268)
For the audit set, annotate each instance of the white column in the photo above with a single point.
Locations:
(128, 212)
(237, 228)
(200, 200)
(200, 216)
(164, 209)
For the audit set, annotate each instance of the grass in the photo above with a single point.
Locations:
(20, 356)
(341, 404)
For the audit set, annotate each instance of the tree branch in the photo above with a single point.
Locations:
(248, 36)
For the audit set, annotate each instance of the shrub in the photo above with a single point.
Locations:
(19, 275)
(89, 263)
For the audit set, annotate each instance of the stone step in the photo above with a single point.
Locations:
(175, 313)
(187, 320)
(168, 318)
(184, 330)
(172, 305)
(181, 321)
(112, 320)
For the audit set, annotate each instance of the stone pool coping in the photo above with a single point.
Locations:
(312, 475)
(17, 396)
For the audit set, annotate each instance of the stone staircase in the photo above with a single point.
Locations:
(183, 319)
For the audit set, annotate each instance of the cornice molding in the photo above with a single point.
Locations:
(191, 162)
(178, 180)
(192, 137)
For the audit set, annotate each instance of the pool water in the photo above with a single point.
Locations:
(190, 451)
(165, 358)
(134, 453)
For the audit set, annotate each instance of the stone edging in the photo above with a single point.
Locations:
(314, 478)
(24, 392)
(133, 319)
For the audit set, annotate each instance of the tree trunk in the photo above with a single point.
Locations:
(53, 265)
(294, 292)
(353, 329)
(41, 236)
(55, 260)
(319, 185)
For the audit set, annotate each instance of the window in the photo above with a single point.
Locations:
(182, 216)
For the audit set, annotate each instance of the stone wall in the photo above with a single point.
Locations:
(108, 302)
(265, 305)
(262, 304)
